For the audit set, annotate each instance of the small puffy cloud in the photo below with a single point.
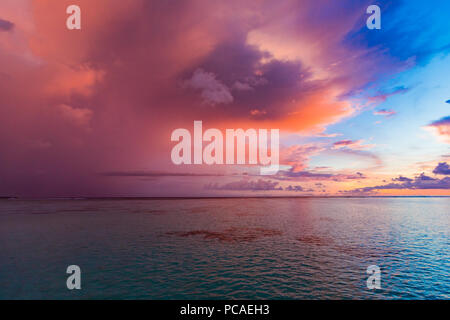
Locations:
(328, 135)
(6, 25)
(249, 185)
(402, 179)
(351, 144)
(257, 112)
(442, 168)
(441, 128)
(213, 91)
(360, 175)
(385, 112)
(294, 188)
(343, 143)
(383, 96)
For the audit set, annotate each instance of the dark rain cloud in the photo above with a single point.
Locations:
(269, 86)
(442, 168)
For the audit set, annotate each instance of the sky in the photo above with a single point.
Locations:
(90, 112)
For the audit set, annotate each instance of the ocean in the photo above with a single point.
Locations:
(229, 248)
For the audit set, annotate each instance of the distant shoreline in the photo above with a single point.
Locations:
(213, 198)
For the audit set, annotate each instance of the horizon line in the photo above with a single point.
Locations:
(214, 197)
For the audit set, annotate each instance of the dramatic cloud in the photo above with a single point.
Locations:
(106, 99)
(442, 168)
(284, 92)
(6, 25)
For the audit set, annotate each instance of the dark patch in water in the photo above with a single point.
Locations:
(146, 211)
(199, 210)
(314, 240)
(231, 234)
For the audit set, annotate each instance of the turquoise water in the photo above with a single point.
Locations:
(303, 248)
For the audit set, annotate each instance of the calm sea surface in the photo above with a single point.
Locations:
(303, 248)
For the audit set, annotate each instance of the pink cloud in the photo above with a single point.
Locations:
(78, 116)
(297, 156)
(351, 144)
(256, 112)
(440, 128)
(384, 112)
